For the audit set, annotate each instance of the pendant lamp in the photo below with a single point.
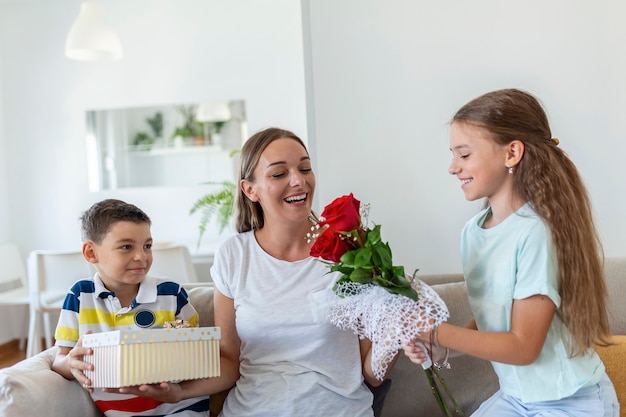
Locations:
(90, 38)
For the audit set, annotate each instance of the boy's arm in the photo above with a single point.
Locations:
(69, 363)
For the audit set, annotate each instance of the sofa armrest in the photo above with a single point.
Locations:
(614, 357)
(32, 388)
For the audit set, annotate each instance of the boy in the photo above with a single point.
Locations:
(117, 241)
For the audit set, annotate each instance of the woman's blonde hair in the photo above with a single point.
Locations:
(249, 214)
(550, 182)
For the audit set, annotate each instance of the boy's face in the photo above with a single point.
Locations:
(124, 256)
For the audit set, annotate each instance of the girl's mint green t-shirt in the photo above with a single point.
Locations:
(515, 260)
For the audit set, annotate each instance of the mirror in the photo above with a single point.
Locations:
(170, 145)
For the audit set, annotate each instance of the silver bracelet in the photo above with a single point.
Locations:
(445, 364)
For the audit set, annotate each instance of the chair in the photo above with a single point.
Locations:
(13, 281)
(50, 275)
(173, 262)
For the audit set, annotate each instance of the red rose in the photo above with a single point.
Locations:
(342, 215)
(329, 246)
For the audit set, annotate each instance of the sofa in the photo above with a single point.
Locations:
(30, 388)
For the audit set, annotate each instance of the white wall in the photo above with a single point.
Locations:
(175, 51)
(4, 196)
(387, 76)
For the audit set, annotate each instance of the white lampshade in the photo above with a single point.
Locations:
(91, 38)
(213, 112)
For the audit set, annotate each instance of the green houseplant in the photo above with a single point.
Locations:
(190, 127)
(143, 141)
(219, 204)
(156, 124)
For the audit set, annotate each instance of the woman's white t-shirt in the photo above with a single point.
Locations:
(291, 362)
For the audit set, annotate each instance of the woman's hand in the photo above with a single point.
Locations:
(413, 350)
(166, 392)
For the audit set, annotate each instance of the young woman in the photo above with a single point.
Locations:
(532, 262)
(290, 364)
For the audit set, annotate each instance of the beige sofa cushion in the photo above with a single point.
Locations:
(29, 388)
(615, 271)
(201, 297)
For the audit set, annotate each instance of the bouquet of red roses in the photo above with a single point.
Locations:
(357, 252)
(374, 298)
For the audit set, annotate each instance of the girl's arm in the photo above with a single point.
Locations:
(530, 321)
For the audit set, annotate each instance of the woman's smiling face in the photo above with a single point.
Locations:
(284, 182)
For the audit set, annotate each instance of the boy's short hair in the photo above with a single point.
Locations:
(98, 219)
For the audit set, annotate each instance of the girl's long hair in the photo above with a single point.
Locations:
(547, 179)
(249, 214)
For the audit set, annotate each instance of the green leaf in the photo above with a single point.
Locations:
(345, 270)
(384, 251)
(373, 236)
(348, 257)
(380, 281)
(362, 276)
(407, 292)
(219, 204)
(398, 271)
(363, 257)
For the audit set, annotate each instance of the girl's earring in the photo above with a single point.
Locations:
(510, 170)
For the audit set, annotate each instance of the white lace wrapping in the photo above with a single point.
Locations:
(387, 319)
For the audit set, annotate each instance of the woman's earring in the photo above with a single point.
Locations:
(510, 170)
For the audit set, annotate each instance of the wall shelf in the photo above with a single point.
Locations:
(176, 150)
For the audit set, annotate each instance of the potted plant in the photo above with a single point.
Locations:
(142, 141)
(156, 124)
(190, 127)
(219, 203)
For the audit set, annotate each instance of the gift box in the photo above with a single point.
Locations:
(124, 358)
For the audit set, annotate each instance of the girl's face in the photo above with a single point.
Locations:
(124, 256)
(284, 182)
(478, 162)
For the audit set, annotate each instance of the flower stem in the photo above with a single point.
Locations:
(447, 390)
(433, 377)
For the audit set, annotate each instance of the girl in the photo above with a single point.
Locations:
(532, 263)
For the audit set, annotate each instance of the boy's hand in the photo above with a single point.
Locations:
(78, 366)
(70, 364)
